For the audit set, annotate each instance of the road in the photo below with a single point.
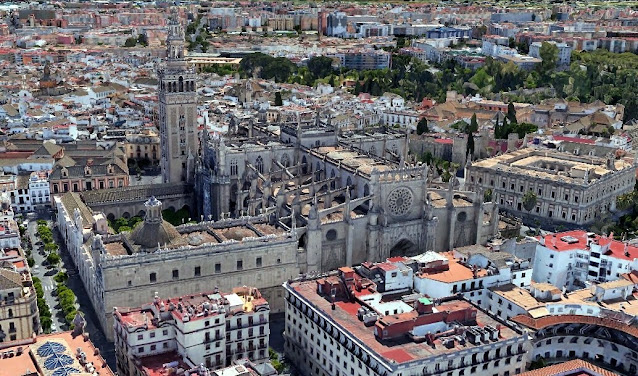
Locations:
(107, 349)
(46, 276)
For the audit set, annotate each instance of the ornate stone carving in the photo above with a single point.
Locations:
(399, 201)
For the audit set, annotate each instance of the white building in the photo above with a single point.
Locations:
(337, 325)
(39, 191)
(574, 258)
(213, 329)
(469, 270)
(9, 234)
(564, 52)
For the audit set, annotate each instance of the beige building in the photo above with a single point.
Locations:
(212, 328)
(569, 188)
(143, 145)
(19, 317)
(177, 111)
(126, 270)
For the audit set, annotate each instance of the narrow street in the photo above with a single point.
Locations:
(75, 284)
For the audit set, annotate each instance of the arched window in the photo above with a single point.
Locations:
(233, 167)
(259, 164)
(181, 84)
(285, 160)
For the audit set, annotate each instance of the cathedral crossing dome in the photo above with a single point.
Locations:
(154, 231)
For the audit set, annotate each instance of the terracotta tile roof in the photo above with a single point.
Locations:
(572, 367)
(547, 321)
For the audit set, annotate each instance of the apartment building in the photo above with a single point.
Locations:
(342, 324)
(19, 318)
(573, 258)
(212, 329)
(564, 52)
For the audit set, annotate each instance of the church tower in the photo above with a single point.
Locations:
(177, 111)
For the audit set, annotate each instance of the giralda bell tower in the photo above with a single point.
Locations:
(177, 111)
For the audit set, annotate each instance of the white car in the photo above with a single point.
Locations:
(53, 328)
(36, 268)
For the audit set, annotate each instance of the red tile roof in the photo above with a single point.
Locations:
(571, 368)
(617, 248)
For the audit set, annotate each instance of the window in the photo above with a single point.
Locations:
(218, 268)
(331, 234)
(240, 265)
(165, 332)
(140, 337)
(152, 334)
(140, 350)
(198, 271)
(175, 274)
(233, 167)
(258, 262)
(153, 277)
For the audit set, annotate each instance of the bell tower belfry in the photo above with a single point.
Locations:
(177, 94)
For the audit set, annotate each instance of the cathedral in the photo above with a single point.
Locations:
(349, 201)
(276, 198)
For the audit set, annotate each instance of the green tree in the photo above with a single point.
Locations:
(124, 229)
(626, 201)
(278, 100)
(141, 39)
(130, 42)
(470, 145)
(473, 124)
(320, 66)
(357, 87)
(549, 54)
(511, 113)
(45, 323)
(53, 259)
(481, 78)
(422, 126)
(487, 195)
(50, 247)
(529, 200)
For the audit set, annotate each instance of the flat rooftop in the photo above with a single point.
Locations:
(354, 160)
(401, 349)
(203, 234)
(457, 272)
(194, 307)
(554, 165)
(50, 353)
(579, 239)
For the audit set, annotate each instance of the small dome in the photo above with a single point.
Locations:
(155, 231)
